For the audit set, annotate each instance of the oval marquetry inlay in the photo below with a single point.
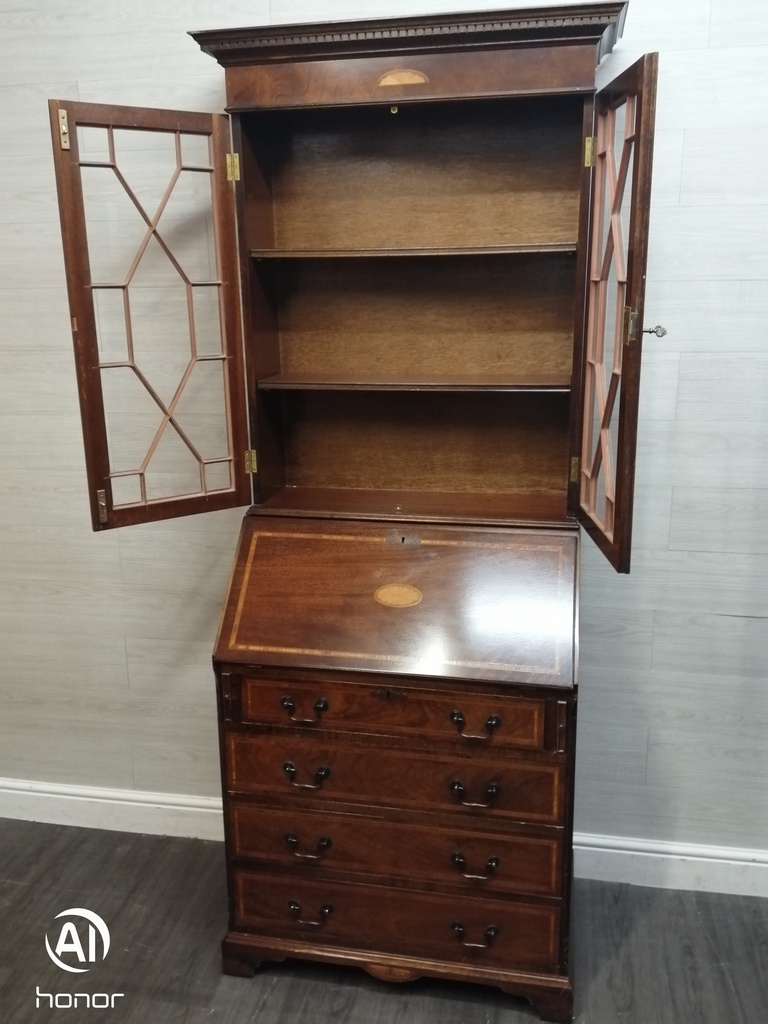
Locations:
(403, 76)
(398, 595)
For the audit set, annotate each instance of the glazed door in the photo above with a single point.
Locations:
(147, 220)
(616, 284)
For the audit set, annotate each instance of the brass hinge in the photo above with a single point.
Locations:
(574, 470)
(233, 167)
(63, 129)
(250, 461)
(101, 498)
(630, 325)
(590, 149)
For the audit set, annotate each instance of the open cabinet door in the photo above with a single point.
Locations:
(148, 225)
(617, 257)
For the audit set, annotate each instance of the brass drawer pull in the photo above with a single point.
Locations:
(322, 773)
(490, 934)
(319, 707)
(491, 865)
(492, 723)
(325, 911)
(322, 844)
(492, 790)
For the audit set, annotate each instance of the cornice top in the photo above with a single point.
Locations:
(601, 23)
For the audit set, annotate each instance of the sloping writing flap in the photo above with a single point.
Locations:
(380, 597)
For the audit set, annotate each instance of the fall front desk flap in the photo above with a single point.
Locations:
(387, 597)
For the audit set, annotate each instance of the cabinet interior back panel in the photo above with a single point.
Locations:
(501, 173)
(476, 318)
(467, 442)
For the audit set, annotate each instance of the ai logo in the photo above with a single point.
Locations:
(78, 942)
(70, 941)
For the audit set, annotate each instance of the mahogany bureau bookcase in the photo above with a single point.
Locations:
(394, 302)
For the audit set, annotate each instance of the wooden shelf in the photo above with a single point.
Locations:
(472, 250)
(497, 322)
(422, 506)
(339, 382)
(417, 441)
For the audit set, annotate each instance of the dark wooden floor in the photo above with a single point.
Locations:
(641, 956)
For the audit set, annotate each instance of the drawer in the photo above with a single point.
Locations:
(499, 933)
(467, 719)
(323, 842)
(429, 76)
(311, 769)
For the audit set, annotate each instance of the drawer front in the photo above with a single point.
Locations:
(424, 77)
(320, 842)
(469, 720)
(313, 770)
(451, 928)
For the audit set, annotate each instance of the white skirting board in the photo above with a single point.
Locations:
(118, 810)
(671, 865)
(661, 865)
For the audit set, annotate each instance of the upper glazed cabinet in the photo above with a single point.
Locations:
(433, 233)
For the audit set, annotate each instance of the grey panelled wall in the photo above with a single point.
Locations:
(119, 627)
